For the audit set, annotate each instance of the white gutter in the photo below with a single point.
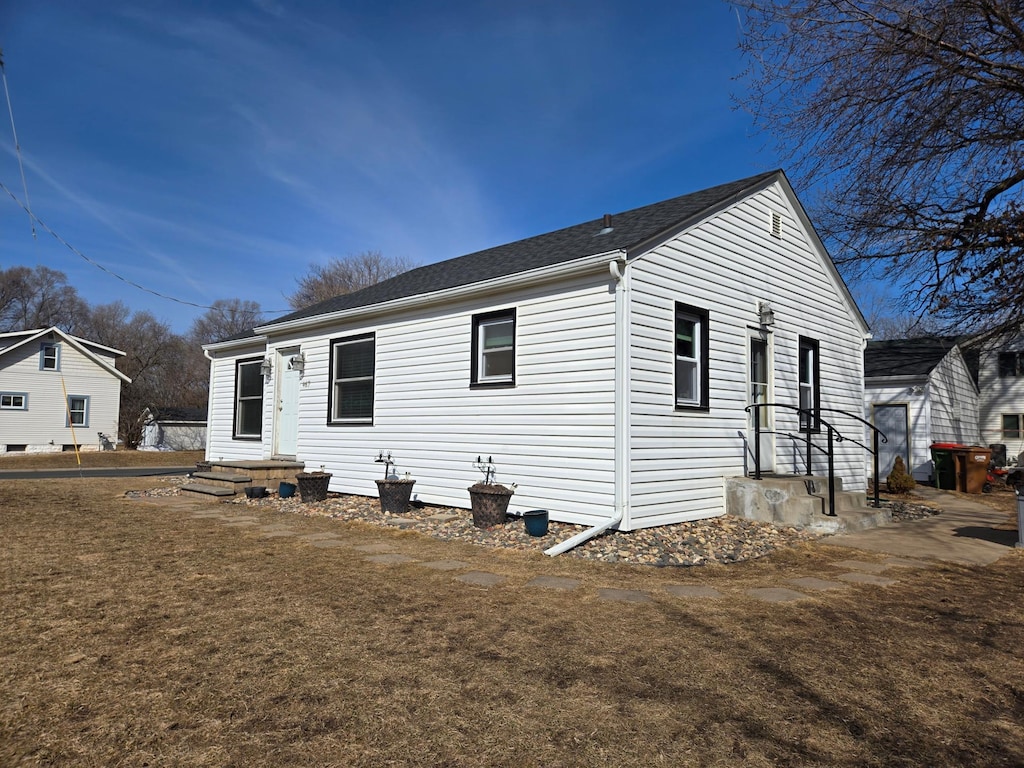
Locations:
(617, 268)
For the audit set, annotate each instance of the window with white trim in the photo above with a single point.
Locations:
(49, 356)
(78, 411)
(810, 388)
(691, 357)
(248, 423)
(494, 349)
(350, 400)
(13, 401)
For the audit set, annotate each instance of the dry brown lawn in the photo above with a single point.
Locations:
(89, 459)
(133, 634)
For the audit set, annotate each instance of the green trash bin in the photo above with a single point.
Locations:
(944, 465)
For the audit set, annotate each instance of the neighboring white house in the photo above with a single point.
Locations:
(605, 367)
(173, 429)
(57, 391)
(997, 360)
(919, 392)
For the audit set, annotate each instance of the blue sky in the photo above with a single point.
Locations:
(212, 150)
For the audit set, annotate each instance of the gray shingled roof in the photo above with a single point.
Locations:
(906, 357)
(629, 230)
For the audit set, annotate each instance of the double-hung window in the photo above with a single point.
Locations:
(494, 349)
(810, 389)
(78, 411)
(49, 356)
(13, 401)
(248, 400)
(352, 375)
(691, 357)
(1011, 364)
(1011, 426)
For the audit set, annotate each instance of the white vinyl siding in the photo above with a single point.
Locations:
(221, 442)
(942, 407)
(43, 424)
(1000, 393)
(552, 433)
(729, 263)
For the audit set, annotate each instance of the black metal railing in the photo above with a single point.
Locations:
(813, 424)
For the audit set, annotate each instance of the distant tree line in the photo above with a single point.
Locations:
(166, 368)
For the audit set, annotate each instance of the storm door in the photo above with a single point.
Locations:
(759, 390)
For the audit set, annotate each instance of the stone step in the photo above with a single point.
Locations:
(233, 481)
(207, 490)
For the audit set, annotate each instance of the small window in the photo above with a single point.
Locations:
(78, 411)
(494, 349)
(352, 378)
(691, 357)
(248, 400)
(49, 356)
(810, 391)
(13, 401)
(1011, 364)
(1011, 426)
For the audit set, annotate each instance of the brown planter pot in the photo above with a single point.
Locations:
(489, 504)
(313, 485)
(394, 496)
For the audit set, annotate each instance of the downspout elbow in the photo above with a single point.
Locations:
(586, 535)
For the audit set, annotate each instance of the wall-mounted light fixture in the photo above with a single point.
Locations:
(266, 367)
(917, 389)
(297, 363)
(765, 314)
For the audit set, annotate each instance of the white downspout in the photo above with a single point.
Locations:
(209, 406)
(617, 268)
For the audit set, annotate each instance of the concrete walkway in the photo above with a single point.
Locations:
(967, 532)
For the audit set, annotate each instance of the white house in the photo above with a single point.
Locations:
(997, 360)
(919, 392)
(57, 391)
(605, 367)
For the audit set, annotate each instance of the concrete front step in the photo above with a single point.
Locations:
(802, 502)
(232, 481)
(207, 490)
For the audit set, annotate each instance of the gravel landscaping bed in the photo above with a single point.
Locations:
(725, 539)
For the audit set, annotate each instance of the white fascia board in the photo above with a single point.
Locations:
(235, 344)
(596, 262)
(77, 343)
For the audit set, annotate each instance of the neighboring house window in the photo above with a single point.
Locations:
(810, 389)
(49, 356)
(78, 411)
(352, 374)
(691, 352)
(494, 349)
(1011, 364)
(248, 400)
(13, 401)
(1011, 426)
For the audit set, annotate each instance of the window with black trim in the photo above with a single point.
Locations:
(810, 386)
(494, 349)
(691, 352)
(1011, 364)
(1011, 426)
(78, 411)
(350, 400)
(49, 356)
(248, 400)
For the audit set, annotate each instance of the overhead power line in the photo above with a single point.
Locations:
(43, 226)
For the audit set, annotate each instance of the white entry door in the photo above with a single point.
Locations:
(286, 415)
(760, 392)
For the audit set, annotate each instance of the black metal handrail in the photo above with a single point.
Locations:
(814, 423)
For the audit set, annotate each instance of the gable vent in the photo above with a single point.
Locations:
(776, 224)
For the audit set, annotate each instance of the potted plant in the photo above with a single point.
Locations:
(394, 492)
(313, 485)
(488, 499)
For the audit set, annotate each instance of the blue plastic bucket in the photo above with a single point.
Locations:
(536, 522)
(286, 490)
